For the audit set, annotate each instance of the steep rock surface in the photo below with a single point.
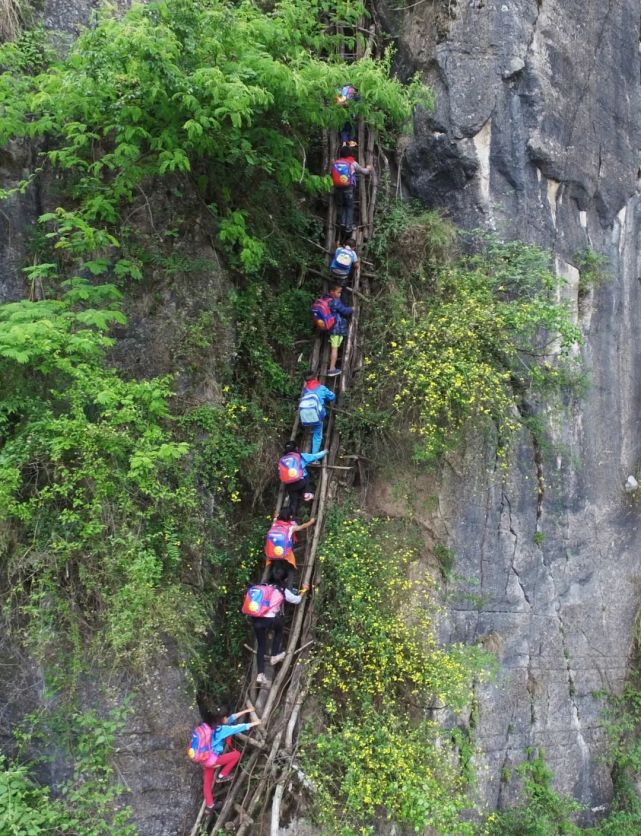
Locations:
(536, 134)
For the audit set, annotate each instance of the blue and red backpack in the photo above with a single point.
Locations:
(342, 174)
(200, 743)
(290, 468)
(280, 541)
(262, 600)
(345, 94)
(322, 314)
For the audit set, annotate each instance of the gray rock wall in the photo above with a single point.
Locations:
(537, 134)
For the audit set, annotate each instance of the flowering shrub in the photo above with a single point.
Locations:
(379, 673)
(459, 340)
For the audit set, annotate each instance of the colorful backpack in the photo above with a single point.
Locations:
(345, 94)
(262, 600)
(310, 409)
(200, 743)
(342, 174)
(342, 261)
(279, 542)
(290, 468)
(322, 314)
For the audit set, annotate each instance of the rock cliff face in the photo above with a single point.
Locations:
(536, 134)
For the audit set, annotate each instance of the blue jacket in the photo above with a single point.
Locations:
(324, 394)
(220, 733)
(340, 311)
(308, 458)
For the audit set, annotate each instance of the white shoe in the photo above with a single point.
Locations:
(307, 497)
(276, 660)
(261, 680)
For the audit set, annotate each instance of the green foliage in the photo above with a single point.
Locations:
(223, 96)
(459, 340)
(217, 102)
(91, 478)
(622, 724)
(445, 557)
(593, 270)
(85, 803)
(379, 673)
(543, 812)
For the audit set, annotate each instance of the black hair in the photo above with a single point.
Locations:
(278, 572)
(212, 713)
(351, 242)
(336, 286)
(218, 715)
(290, 447)
(284, 515)
(310, 375)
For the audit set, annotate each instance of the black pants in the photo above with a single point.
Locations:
(345, 210)
(295, 492)
(261, 627)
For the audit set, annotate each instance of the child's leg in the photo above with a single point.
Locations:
(208, 779)
(333, 355)
(277, 638)
(348, 211)
(228, 762)
(295, 492)
(260, 631)
(317, 437)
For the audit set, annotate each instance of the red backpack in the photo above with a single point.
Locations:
(342, 173)
(262, 600)
(290, 468)
(280, 541)
(322, 314)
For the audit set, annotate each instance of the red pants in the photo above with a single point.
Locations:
(228, 761)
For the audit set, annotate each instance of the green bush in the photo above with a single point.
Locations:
(379, 672)
(217, 98)
(85, 803)
(92, 478)
(543, 811)
(455, 340)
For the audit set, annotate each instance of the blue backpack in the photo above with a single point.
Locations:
(310, 409)
(342, 261)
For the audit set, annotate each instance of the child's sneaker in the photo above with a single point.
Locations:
(261, 679)
(307, 497)
(276, 660)
(223, 779)
(215, 808)
(333, 372)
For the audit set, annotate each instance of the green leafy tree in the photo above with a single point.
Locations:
(224, 96)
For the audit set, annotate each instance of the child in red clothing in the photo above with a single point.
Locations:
(222, 727)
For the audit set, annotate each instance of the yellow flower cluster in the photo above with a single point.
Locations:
(378, 667)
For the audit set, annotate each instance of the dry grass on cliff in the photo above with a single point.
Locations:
(11, 19)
